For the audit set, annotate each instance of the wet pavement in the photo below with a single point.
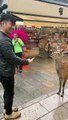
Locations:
(52, 107)
(35, 91)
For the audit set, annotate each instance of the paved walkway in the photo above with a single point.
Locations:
(35, 90)
(52, 107)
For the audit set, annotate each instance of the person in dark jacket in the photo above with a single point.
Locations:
(8, 61)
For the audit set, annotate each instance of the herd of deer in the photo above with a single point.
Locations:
(61, 69)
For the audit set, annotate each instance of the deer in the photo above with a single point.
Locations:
(61, 69)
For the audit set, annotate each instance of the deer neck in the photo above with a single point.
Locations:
(58, 62)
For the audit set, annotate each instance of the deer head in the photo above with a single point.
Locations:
(57, 54)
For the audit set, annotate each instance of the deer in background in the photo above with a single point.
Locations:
(62, 70)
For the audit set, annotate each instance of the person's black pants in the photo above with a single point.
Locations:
(19, 55)
(8, 85)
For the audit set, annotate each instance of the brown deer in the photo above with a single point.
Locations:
(62, 71)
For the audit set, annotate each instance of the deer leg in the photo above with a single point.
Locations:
(60, 83)
(63, 87)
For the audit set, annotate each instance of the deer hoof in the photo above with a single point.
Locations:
(58, 93)
(62, 95)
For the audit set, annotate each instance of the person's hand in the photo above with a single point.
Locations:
(30, 60)
(16, 41)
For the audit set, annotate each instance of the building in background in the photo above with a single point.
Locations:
(37, 13)
(41, 12)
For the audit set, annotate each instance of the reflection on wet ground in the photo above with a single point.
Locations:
(40, 79)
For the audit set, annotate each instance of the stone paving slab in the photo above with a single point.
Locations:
(59, 114)
(53, 102)
(53, 107)
(33, 112)
(66, 105)
(29, 89)
(21, 95)
(34, 101)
